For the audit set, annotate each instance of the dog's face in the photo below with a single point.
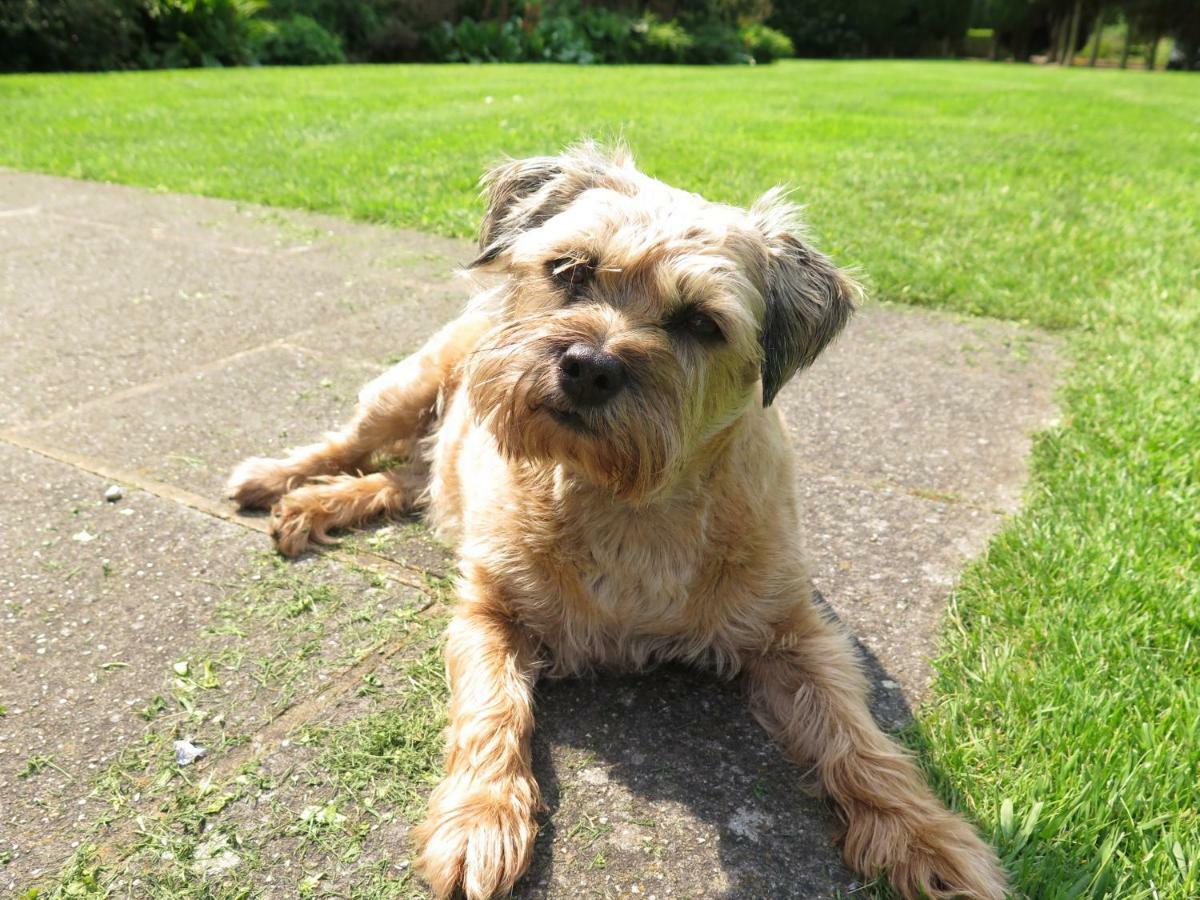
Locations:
(638, 321)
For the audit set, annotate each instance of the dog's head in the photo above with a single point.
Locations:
(638, 321)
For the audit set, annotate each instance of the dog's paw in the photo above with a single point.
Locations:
(299, 521)
(258, 482)
(937, 856)
(477, 838)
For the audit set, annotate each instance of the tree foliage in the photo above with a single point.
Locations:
(108, 34)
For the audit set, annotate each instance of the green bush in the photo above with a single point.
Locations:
(198, 33)
(393, 41)
(375, 30)
(558, 38)
(610, 32)
(765, 44)
(297, 41)
(715, 43)
(661, 42)
(471, 41)
(978, 42)
(107, 34)
(874, 27)
(354, 22)
(56, 35)
(115, 34)
(567, 32)
(817, 29)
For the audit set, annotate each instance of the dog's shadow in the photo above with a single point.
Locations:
(664, 781)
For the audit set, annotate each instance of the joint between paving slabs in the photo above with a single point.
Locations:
(932, 495)
(170, 238)
(154, 384)
(138, 390)
(401, 573)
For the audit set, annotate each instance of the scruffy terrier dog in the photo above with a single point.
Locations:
(595, 434)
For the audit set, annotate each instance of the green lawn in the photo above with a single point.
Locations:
(1066, 711)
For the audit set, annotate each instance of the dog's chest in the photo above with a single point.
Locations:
(637, 569)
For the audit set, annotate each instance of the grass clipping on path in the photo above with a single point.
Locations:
(1066, 710)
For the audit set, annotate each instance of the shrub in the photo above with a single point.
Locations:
(297, 41)
(113, 34)
(198, 33)
(714, 43)
(564, 32)
(661, 42)
(374, 30)
(765, 44)
(471, 41)
(557, 38)
(817, 29)
(106, 34)
(56, 35)
(353, 22)
(978, 42)
(568, 32)
(610, 32)
(393, 41)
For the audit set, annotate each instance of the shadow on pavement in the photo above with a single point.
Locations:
(675, 765)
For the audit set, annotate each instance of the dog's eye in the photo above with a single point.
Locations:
(702, 325)
(570, 272)
(696, 324)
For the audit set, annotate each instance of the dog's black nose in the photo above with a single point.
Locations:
(589, 376)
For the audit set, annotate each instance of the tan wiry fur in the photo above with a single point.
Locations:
(658, 524)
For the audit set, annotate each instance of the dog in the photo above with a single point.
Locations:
(596, 436)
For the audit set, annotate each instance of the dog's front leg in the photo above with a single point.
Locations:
(809, 691)
(393, 408)
(479, 829)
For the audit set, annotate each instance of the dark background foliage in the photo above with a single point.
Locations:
(47, 35)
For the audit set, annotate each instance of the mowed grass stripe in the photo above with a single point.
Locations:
(1065, 709)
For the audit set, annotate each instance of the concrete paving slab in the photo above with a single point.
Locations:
(191, 430)
(665, 785)
(351, 249)
(661, 783)
(886, 559)
(385, 336)
(936, 404)
(252, 332)
(190, 287)
(103, 603)
(99, 600)
(141, 322)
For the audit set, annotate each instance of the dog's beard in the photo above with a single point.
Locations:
(631, 445)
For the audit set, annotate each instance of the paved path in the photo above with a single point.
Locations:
(152, 340)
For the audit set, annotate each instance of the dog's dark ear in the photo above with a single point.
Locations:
(808, 299)
(523, 193)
